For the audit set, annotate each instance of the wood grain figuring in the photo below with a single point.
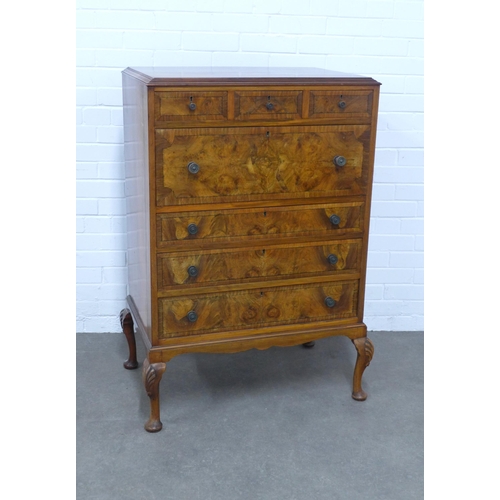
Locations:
(216, 267)
(325, 103)
(263, 241)
(175, 106)
(246, 309)
(247, 225)
(260, 163)
(252, 105)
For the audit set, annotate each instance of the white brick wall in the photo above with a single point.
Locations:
(382, 39)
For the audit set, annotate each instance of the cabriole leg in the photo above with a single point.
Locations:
(151, 376)
(128, 329)
(365, 350)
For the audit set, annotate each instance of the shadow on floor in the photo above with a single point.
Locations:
(273, 424)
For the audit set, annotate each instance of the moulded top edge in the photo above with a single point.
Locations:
(178, 76)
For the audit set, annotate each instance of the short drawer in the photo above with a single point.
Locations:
(238, 310)
(268, 105)
(250, 225)
(239, 265)
(340, 103)
(210, 165)
(190, 106)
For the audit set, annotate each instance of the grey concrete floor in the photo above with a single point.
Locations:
(257, 425)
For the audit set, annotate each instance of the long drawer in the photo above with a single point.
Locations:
(210, 165)
(188, 315)
(250, 225)
(241, 264)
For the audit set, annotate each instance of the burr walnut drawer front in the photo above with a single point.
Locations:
(267, 105)
(210, 165)
(252, 224)
(187, 315)
(340, 103)
(190, 106)
(237, 265)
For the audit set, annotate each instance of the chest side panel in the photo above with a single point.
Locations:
(135, 112)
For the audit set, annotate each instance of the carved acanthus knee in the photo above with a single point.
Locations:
(365, 349)
(127, 324)
(151, 376)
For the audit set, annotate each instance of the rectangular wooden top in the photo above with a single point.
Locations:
(183, 76)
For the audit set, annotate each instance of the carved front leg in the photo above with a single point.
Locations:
(128, 329)
(151, 376)
(365, 350)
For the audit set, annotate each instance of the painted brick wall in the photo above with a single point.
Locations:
(382, 39)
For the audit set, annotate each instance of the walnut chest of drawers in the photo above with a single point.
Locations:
(248, 201)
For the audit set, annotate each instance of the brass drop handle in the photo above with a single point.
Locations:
(192, 316)
(270, 106)
(192, 271)
(193, 167)
(332, 259)
(329, 302)
(342, 104)
(335, 219)
(192, 105)
(340, 161)
(192, 229)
